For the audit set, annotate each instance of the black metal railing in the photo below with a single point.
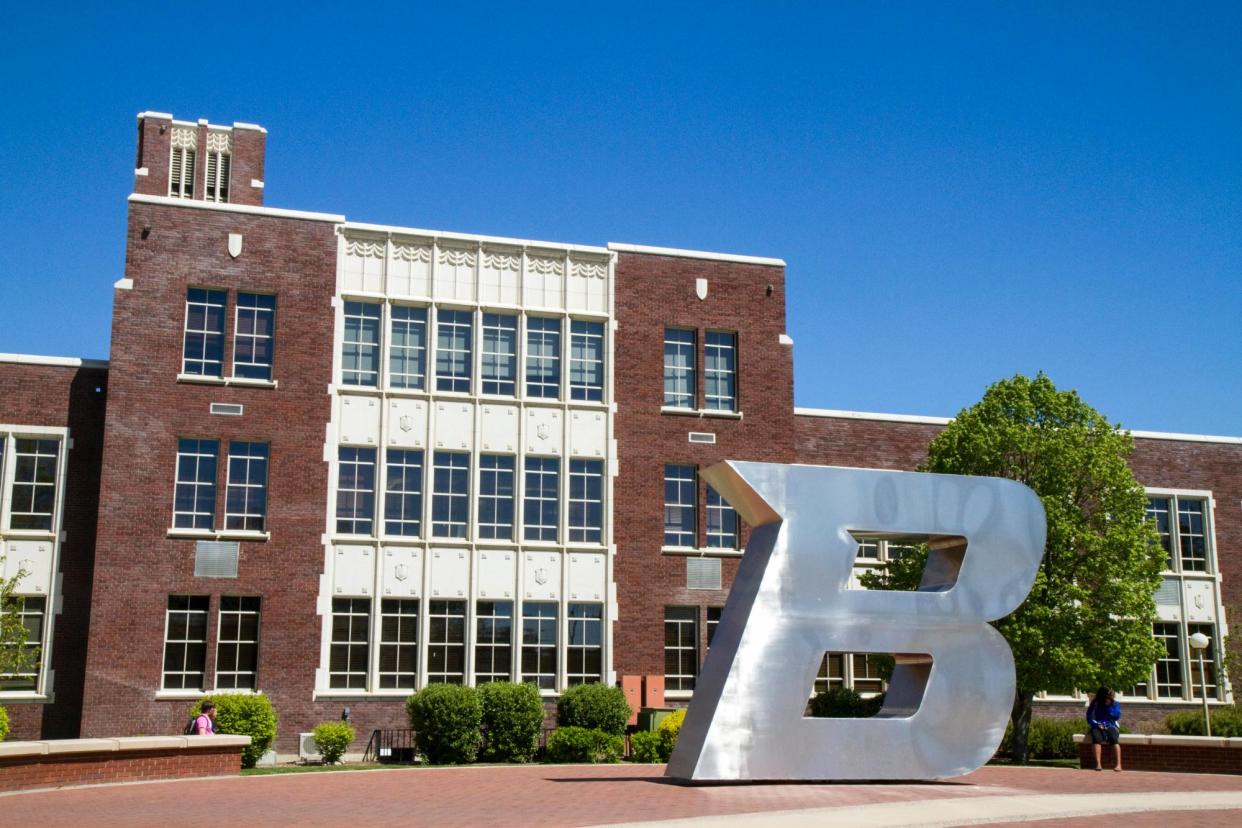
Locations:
(392, 746)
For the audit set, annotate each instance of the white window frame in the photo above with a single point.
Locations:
(197, 484)
(185, 643)
(251, 314)
(198, 367)
(358, 608)
(447, 645)
(582, 506)
(586, 360)
(682, 681)
(680, 374)
(488, 646)
(685, 483)
(720, 516)
(360, 523)
(454, 364)
(243, 610)
(398, 679)
(489, 478)
(543, 357)
(454, 498)
(588, 627)
(537, 471)
(720, 370)
(399, 460)
(404, 355)
(250, 519)
(498, 368)
(354, 351)
(535, 628)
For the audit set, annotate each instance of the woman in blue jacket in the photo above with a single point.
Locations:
(1102, 716)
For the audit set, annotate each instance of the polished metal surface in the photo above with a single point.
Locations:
(952, 690)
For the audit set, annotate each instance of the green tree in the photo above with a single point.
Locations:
(1088, 619)
(15, 656)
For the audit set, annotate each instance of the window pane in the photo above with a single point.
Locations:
(246, 500)
(33, 496)
(496, 496)
(679, 368)
(194, 494)
(586, 507)
(541, 505)
(679, 506)
(543, 357)
(355, 493)
(403, 493)
(722, 530)
(185, 642)
(360, 344)
(454, 332)
(720, 371)
(681, 649)
(253, 337)
(203, 342)
(586, 360)
(450, 500)
(499, 368)
(407, 352)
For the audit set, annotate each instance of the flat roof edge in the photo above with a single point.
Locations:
(274, 212)
(448, 234)
(63, 362)
(694, 254)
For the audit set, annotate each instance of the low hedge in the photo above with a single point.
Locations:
(594, 707)
(844, 703)
(332, 739)
(245, 714)
(512, 717)
(1226, 722)
(1048, 738)
(582, 745)
(4, 724)
(446, 719)
(645, 746)
(669, 730)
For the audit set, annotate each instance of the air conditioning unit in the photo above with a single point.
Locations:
(307, 750)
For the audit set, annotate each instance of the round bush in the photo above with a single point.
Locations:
(332, 739)
(645, 747)
(512, 717)
(1226, 722)
(4, 724)
(840, 703)
(1047, 738)
(581, 745)
(669, 730)
(245, 714)
(594, 707)
(446, 720)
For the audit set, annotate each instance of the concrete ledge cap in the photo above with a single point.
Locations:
(56, 746)
(151, 742)
(1188, 741)
(17, 749)
(193, 742)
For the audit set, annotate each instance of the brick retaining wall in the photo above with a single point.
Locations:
(1176, 754)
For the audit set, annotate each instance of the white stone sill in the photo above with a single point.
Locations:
(701, 552)
(701, 413)
(221, 534)
(247, 382)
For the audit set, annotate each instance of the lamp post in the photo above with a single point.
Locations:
(1200, 642)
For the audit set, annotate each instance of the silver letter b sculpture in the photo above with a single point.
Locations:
(952, 689)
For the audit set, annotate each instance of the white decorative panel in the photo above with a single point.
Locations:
(499, 428)
(359, 420)
(409, 270)
(497, 573)
(403, 571)
(588, 433)
(450, 573)
(35, 557)
(586, 577)
(544, 431)
(1200, 601)
(353, 570)
(454, 426)
(586, 288)
(364, 265)
(499, 277)
(541, 575)
(454, 276)
(407, 423)
(545, 281)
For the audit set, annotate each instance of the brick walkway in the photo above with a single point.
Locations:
(559, 796)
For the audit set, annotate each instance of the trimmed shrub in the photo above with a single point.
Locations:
(668, 731)
(581, 745)
(842, 703)
(1226, 722)
(331, 740)
(594, 707)
(4, 724)
(512, 716)
(446, 720)
(1047, 738)
(645, 747)
(245, 714)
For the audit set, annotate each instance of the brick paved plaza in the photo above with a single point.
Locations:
(540, 795)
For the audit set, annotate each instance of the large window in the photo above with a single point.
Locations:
(586, 501)
(403, 493)
(254, 335)
(1208, 673)
(539, 643)
(203, 349)
(246, 497)
(398, 652)
(496, 496)
(237, 649)
(446, 643)
(360, 347)
(454, 332)
(721, 522)
(185, 642)
(584, 649)
(355, 491)
(586, 360)
(194, 495)
(1187, 548)
(541, 512)
(498, 372)
(831, 672)
(679, 506)
(679, 368)
(1169, 665)
(720, 371)
(32, 613)
(681, 647)
(407, 348)
(33, 497)
(350, 648)
(450, 498)
(543, 357)
(493, 647)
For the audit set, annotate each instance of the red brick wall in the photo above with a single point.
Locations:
(29, 773)
(154, 153)
(1166, 758)
(652, 292)
(249, 149)
(47, 395)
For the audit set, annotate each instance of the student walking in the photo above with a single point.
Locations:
(1103, 714)
(205, 723)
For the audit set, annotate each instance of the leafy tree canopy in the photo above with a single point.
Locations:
(15, 656)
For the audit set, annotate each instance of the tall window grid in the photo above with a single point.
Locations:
(403, 493)
(454, 332)
(355, 491)
(586, 501)
(203, 346)
(722, 522)
(194, 495)
(398, 651)
(720, 371)
(246, 494)
(450, 498)
(496, 496)
(1208, 673)
(498, 372)
(679, 367)
(446, 642)
(32, 499)
(681, 647)
(1169, 665)
(407, 348)
(1187, 548)
(493, 648)
(584, 649)
(543, 357)
(831, 672)
(237, 648)
(360, 346)
(32, 613)
(350, 647)
(539, 643)
(586, 360)
(185, 642)
(679, 506)
(254, 335)
(541, 506)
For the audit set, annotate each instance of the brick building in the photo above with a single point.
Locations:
(339, 461)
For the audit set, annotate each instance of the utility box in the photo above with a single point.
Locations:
(633, 688)
(649, 718)
(653, 691)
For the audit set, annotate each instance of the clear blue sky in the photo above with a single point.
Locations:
(961, 191)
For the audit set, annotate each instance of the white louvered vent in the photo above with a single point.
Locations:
(215, 559)
(217, 188)
(702, 437)
(228, 409)
(1169, 594)
(702, 573)
(181, 173)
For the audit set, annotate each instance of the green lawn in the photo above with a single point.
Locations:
(268, 771)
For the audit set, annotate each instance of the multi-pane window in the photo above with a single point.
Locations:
(446, 643)
(254, 335)
(584, 651)
(407, 348)
(181, 173)
(498, 372)
(1192, 535)
(721, 522)
(493, 645)
(543, 357)
(398, 649)
(360, 346)
(454, 331)
(679, 505)
(586, 360)
(203, 349)
(868, 549)
(1208, 673)
(831, 672)
(586, 501)
(350, 648)
(540, 512)
(681, 647)
(678, 368)
(1158, 514)
(246, 497)
(867, 678)
(713, 621)
(403, 493)
(720, 371)
(450, 494)
(32, 612)
(194, 497)
(219, 166)
(33, 497)
(1169, 665)
(539, 643)
(185, 642)
(237, 649)
(355, 491)
(496, 496)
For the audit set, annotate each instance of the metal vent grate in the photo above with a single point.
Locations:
(228, 409)
(215, 559)
(1169, 595)
(702, 573)
(702, 437)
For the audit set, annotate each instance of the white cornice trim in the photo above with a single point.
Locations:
(64, 362)
(472, 237)
(694, 254)
(151, 114)
(1189, 438)
(244, 125)
(273, 212)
